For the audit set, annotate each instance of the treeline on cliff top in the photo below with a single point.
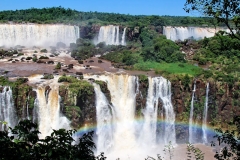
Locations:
(69, 16)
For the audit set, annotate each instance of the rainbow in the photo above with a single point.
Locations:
(89, 127)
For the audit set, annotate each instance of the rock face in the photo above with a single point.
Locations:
(141, 97)
(222, 102)
(24, 98)
(78, 107)
(78, 102)
(89, 31)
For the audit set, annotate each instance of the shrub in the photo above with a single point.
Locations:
(34, 59)
(43, 57)
(43, 51)
(202, 61)
(58, 66)
(69, 79)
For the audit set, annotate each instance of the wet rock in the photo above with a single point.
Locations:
(50, 62)
(70, 66)
(79, 73)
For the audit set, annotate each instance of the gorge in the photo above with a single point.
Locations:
(48, 34)
(132, 115)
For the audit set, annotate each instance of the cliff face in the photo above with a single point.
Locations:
(79, 105)
(222, 101)
(89, 32)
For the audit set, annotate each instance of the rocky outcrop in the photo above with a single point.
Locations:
(141, 97)
(89, 31)
(78, 103)
(222, 101)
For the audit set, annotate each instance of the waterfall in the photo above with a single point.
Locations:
(27, 108)
(110, 35)
(159, 89)
(205, 113)
(104, 120)
(123, 37)
(7, 109)
(127, 137)
(49, 116)
(191, 129)
(123, 93)
(37, 34)
(35, 111)
(182, 33)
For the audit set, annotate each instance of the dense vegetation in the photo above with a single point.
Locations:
(147, 50)
(69, 16)
(24, 143)
(226, 12)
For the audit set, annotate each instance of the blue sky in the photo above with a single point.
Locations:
(133, 7)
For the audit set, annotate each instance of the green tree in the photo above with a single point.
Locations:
(230, 141)
(23, 143)
(224, 11)
(58, 66)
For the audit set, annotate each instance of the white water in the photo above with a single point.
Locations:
(49, 116)
(182, 33)
(37, 34)
(104, 118)
(191, 129)
(35, 111)
(159, 89)
(27, 108)
(123, 41)
(205, 113)
(117, 129)
(110, 35)
(7, 109)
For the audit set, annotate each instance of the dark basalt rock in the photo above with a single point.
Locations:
(40, 61)
(50, 62)
(79, 73)
(28, 58)
(70, 66)
(91, 79)
(65, 70)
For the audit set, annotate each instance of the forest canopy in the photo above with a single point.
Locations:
(69, 16)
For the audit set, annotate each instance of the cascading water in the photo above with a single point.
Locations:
(35, 111)
(205, 113)
(182, 33)
(110, 35)
(37, 34)
(7, 109)
(49, 116)
(123, 42)
(27, 116)
(126, 137)
(191, 129)
(104, 119)
(159, 89)
(123, 92)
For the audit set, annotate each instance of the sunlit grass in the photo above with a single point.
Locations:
(171, 68)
